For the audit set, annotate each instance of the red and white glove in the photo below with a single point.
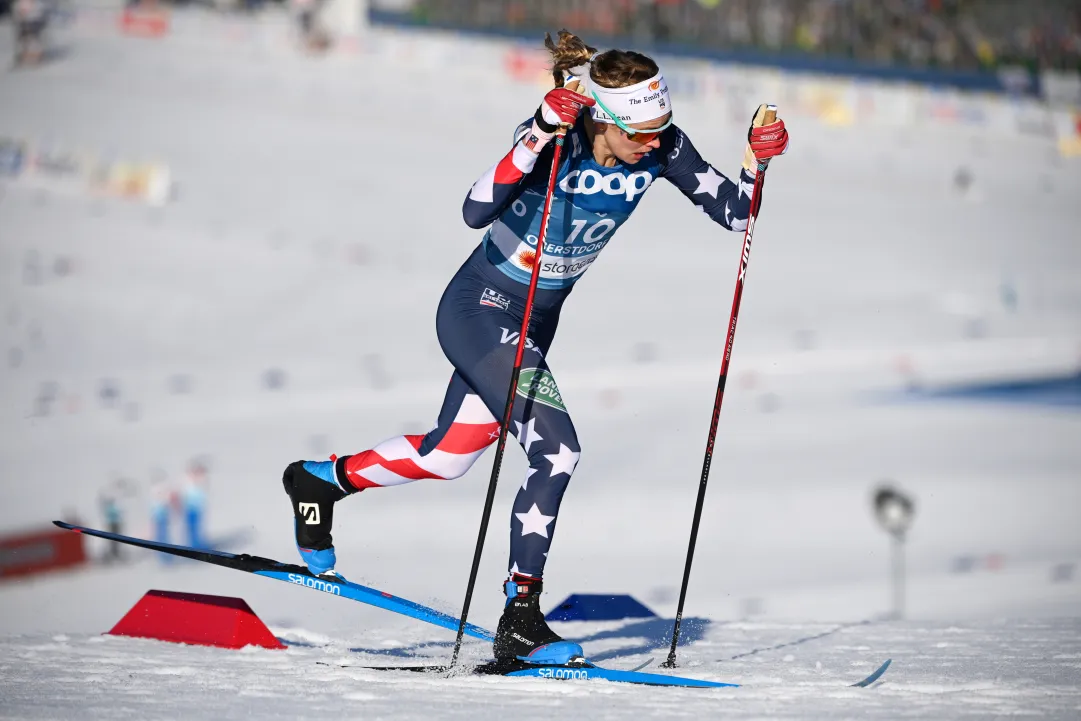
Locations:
(560, 106)
(764, 141)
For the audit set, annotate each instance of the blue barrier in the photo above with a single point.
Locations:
(1059, 391)
(594, 607)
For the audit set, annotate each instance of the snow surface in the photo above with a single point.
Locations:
(940, 670)
(313, 233)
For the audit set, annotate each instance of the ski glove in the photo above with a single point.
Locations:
(764, 141)
(559, 107)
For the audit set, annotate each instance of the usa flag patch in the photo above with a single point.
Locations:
(494, 300)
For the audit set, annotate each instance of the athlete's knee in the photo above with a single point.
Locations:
(556, 454)
(450, 466)
(459, 449)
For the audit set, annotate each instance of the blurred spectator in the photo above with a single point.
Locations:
(163, 501)
(30, 18)
(193, 502)
(941, 34)
(110, 499)
(313, 37)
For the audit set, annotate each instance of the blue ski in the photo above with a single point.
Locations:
(578, 671)
(874, 676)
(296, 575)
(584, 669)
(591, 671)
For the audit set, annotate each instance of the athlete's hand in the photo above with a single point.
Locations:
(765, 140)
(560, 106)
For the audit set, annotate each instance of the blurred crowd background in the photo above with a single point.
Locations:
(942, 34)
(956, 36)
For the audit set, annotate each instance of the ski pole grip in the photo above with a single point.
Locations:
(771, 116)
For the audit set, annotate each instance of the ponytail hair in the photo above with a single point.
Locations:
(610, 69)
(569, 52)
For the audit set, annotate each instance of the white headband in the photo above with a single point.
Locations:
(638, 103)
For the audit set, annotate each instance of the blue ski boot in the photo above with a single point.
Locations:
(523, 633)
(313, 489)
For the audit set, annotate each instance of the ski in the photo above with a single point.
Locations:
(296, 575)
(874, 676)
(584, 670)
(580, 671)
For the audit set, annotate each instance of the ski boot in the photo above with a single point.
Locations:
(313, 488)
(522, 633)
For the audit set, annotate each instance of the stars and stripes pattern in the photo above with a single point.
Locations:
(499, 181)
(451, 448)
(398, 460)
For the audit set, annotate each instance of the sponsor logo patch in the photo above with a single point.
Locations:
(590, 182)
(540, 386)
(511, 336)
(310, 513)
(571, 673)
(317, 584)
(492, 299)
(655, 85)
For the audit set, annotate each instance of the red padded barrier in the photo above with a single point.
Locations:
(196, 619)
(25, 554)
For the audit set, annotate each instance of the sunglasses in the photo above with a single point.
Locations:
(638, 136)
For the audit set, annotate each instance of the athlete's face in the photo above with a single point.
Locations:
(632, 148)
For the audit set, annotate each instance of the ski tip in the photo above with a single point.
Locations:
(874, 676)
(66, 526)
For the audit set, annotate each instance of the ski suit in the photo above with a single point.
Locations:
(480, 314)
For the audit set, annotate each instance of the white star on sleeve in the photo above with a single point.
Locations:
(745, 188)
(708, 182)
(528, 433)
(528, 474)
(564, 461)
(534, 522)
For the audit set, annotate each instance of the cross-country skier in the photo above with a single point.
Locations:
(613, 154)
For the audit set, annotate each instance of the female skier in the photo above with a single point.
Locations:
(613, 154)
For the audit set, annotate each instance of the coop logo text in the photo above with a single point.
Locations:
(590, 182)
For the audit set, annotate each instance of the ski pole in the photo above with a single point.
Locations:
(756, 200)
(509, 407)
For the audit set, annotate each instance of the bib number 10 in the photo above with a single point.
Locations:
(596, 231)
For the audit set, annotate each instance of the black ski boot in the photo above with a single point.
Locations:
(313, 488)
(523, 633)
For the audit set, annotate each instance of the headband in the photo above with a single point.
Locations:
(638, 103)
